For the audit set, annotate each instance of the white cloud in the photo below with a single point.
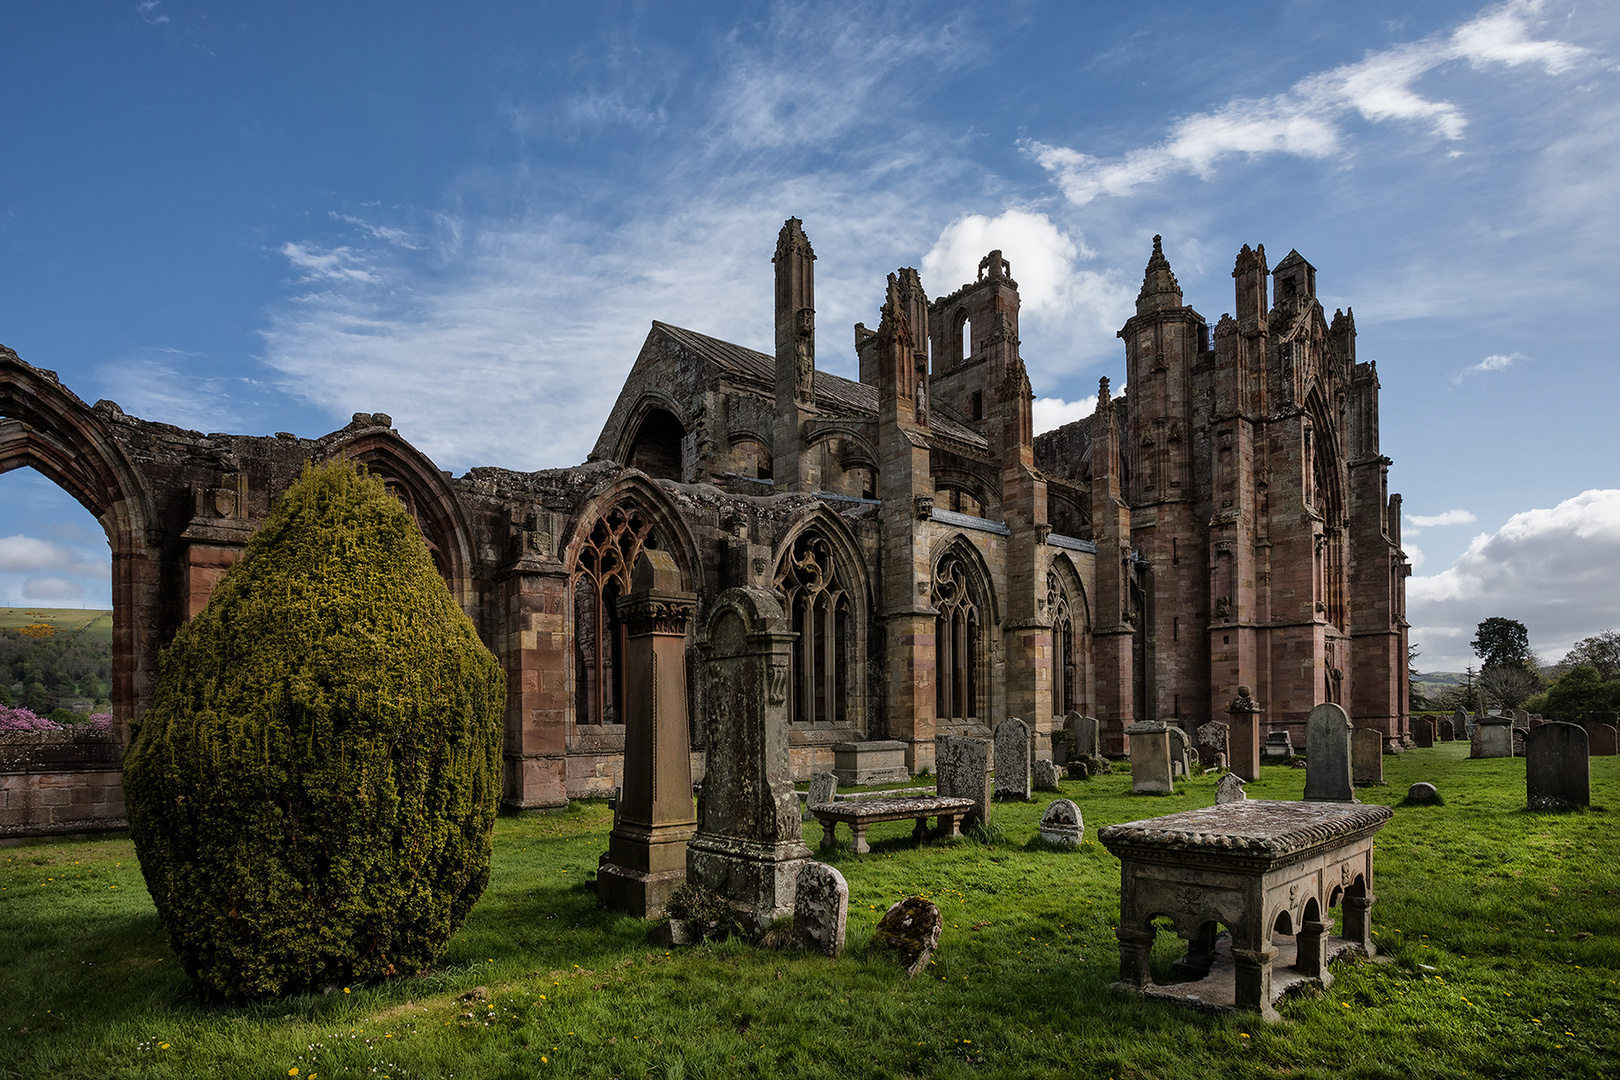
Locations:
(1307, 119)
(18, 552)
(1040, 256)
(339, 264)
(1051, 412)
(1552, 569)
(51, 588)
(1494, 362)
(1414, 554)
(1449, 517)
(156, 383)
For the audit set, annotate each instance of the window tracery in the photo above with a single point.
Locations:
(602, 575)
(818, 609)
(958, 640)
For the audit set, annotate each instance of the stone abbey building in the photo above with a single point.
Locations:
(1226, 522)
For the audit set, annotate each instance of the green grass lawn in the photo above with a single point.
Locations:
(1501, 929)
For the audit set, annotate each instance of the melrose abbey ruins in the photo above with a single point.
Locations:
(1225, 523)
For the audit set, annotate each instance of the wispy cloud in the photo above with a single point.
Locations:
(340, 264)
(160, 384)
(151, 12)
(1307, 120)
(1495, 362)
(1449, 517)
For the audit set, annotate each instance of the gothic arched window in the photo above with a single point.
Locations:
(958, 641)
(818, 608)
(601, 576)
(1063, 648)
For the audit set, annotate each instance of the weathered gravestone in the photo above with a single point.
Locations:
(653, 816)
(1279, 746)
(749, 845)
(1062, 824)
(1087, 736)
(1446, 732)
(1230, 789)
(1367, 756)
(1044, 774)
(1243, 741)
(1012, 759)
(1212, 739)
(1521, 719)
(1180, 750)
(1495, 736)
(911, 929)
(1327, 755)
(1422, 793)
(823, 789)
(1557, 773)
(1422, 731)
(1150, 758)
(962, 770)
(1459, 724)
(1605, 740)
(821, 909)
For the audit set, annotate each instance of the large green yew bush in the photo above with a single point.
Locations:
(313, 791)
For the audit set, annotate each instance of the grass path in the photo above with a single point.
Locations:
(1502, 928)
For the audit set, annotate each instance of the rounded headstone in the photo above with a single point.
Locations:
(1062, 823)
(1422, 792)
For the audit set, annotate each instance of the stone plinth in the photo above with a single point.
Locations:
(1250, 866)
(654, 817)
(962, 766)
(1367, 756)
(877, 762)
(749, 844)
(1279, 746)
(1556, 768)
(1327, 755)
(1495, 736)
(1243, 740)
(1150, 758)
(1012, 759)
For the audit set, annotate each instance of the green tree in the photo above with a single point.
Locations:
(1501, 642)
(1577, 692)
(313, 790)
(1601, 652)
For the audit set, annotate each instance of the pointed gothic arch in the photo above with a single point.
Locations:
(822, 581)
(1072, 661)
(47, 427)
(964, 624)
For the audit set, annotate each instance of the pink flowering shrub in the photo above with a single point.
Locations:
(16, 721)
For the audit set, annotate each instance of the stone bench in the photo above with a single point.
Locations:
(860, 813)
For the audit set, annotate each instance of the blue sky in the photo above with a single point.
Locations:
(258, 217)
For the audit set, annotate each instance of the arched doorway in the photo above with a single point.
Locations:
(656, 447)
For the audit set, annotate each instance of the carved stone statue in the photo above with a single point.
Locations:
(804, 363)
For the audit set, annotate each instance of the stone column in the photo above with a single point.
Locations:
(1312, 957)
(646, 857)
(1358, 922)
(1252, 968)
(749, 845)
(1243, 741)
(1135, 951)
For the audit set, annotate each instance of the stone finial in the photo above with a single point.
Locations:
(1103, 397)
(1159, 286)
(792, 240)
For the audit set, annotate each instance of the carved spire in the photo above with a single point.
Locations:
(1160, 289)
(792, 241)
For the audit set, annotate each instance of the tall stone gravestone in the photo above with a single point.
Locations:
(1212, 740)
(1012, 759)
(1556, 768)
(1446, 734)
(749, 845)
(1605, 740)
(1422, 731)
(823, 789)
(1243, 740)
(1459, 724)
(962, 771)
(1150, 758)
(1180, 750)
(1086, 734)
(1367, 756)
(653, 815)
(1495, 736)
(1327, 755)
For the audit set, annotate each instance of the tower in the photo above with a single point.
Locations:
(792, 469)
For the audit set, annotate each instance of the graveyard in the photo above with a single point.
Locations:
(1497, 930)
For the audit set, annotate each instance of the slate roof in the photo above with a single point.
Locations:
(835, 395)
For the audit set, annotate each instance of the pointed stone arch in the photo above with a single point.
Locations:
(822, 581)
(1073, 667)
(965, 628)
(653, 436)
(426, 493)
(46, 426)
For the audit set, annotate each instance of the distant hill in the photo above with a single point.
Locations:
(97, 622)
(1431, 683)
(55, 658)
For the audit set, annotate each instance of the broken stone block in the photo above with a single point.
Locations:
(911, 929)
(1230, 789)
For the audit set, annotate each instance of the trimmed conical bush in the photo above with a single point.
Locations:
(313, 791)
